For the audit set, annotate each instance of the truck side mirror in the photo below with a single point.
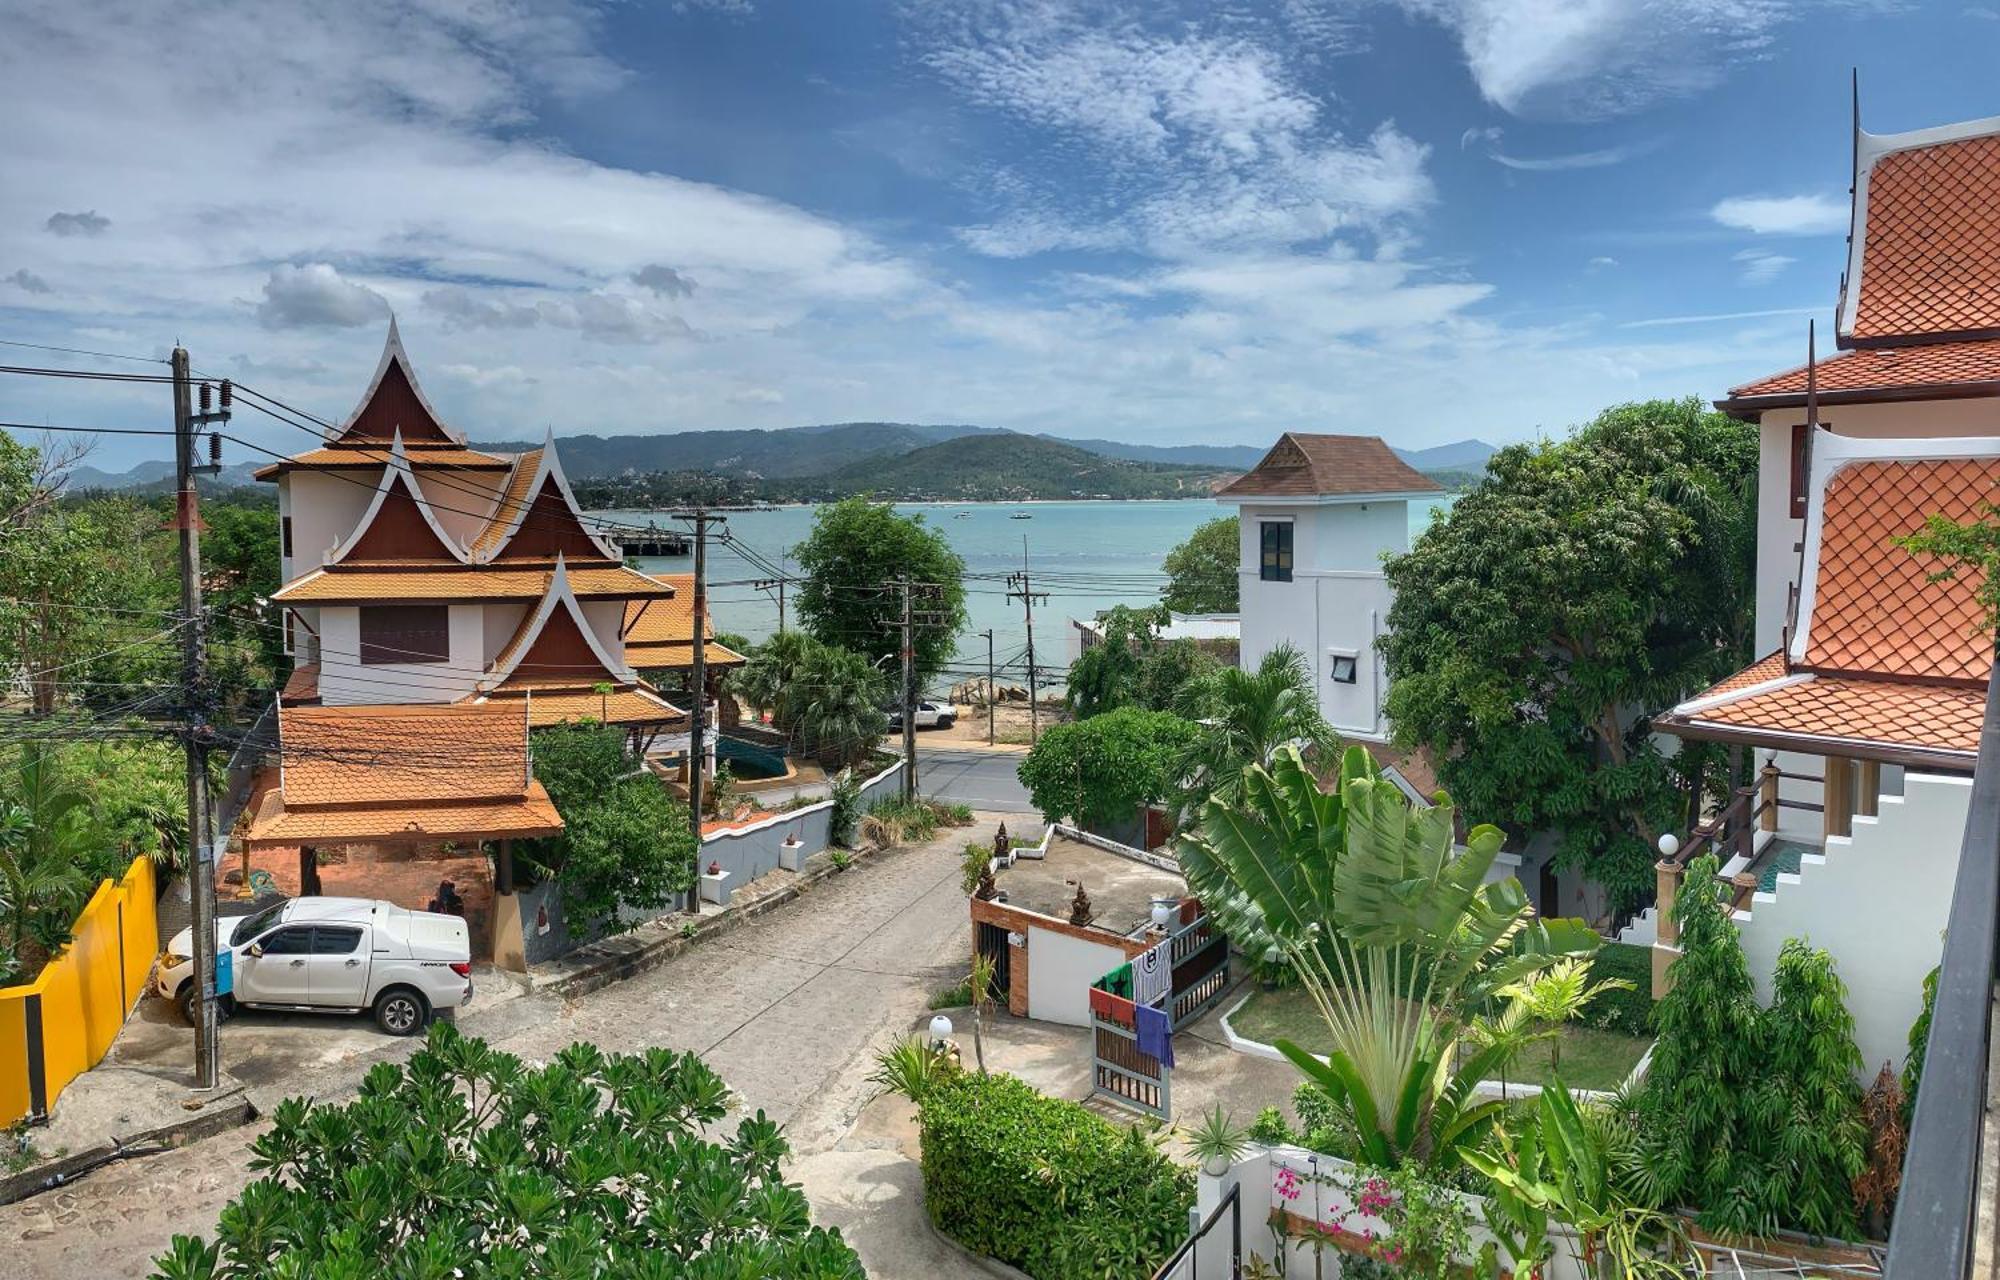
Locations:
(256, 950)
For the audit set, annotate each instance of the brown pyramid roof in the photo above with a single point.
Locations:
(1302, 465)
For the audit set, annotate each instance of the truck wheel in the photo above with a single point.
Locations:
(400, 1011)
(185, 999)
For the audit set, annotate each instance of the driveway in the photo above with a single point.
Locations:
(790, 1009)
(984, 779)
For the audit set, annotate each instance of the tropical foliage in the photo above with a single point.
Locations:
(1396, 936)
(1580, 589)
(856, 548)
(1042, 1184)
(1102, 771)
(470, 1161)
(833, 708)
(1751, 1116)
(1245, 716)
(1952, 547)
(1201, 572)
(1133, 667)
(626, 842)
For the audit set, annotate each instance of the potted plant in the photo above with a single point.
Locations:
(1217, 1142)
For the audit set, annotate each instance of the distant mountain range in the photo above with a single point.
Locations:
(895, 459)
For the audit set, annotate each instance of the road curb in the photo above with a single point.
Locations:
(232, 1110)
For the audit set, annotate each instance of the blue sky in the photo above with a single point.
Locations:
(1178, 223)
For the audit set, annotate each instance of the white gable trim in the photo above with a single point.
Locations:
(1869, 148)
(550, 465)
(397, 467)
(392, 351)
(1830, 453)
(559, 593)
(1696, 706)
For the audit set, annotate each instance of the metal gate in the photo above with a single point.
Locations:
(1200, 957)
(993, 945)
(1119, 1071)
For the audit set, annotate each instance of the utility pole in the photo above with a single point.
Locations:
(698, 677)
(909, 698)
(1021, 589)
(768, 585)
(194, 693)
(988, 633)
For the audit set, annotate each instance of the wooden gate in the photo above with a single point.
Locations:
(1119, 1071)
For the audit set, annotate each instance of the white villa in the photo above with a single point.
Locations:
(1317, 514)
(1862, 720)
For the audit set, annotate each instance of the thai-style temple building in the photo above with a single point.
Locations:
(440, 603)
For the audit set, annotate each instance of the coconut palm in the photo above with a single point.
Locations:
(1246, 716)
(834, 704)
(44, 844)
(773, 668)
(1394, 933)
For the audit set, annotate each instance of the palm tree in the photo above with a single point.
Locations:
(1245, 717)
(773, 668)
(1555, 996)
(45, 837)
(834, 704)
(1394, 933)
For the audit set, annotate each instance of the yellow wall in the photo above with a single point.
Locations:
(85, 993)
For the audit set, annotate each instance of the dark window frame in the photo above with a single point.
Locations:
(285, 535)
(1274, 550)
(1801, 479)
(405, 634)
(1353, 662)
(287, 932)
(336, 932)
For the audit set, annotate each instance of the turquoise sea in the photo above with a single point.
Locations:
(1087, 556)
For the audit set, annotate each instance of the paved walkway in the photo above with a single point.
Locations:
(790, 1009)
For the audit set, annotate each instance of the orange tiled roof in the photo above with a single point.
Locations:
(302, 685)
(664, 621)
(631, 705)
(1876, 373)
(1856, 711)
(1874, 609)
(272, 824)
(1930, 253)
(1302, 464)
(422, 457)
(343, 584)
(401, 753)
(654, 656)
(513, 500)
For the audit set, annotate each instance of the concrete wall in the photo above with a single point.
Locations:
(1877, 901)
(324, 507)
(1061, 967)
(1778, 534)
(1336, 605)
(461, 500)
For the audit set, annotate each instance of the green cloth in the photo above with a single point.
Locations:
(1118, 982)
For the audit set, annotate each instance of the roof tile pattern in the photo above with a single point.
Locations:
(676, 656)
(1304, 465)
(275, 825)
(467, 583)
(377, 755)
(1926, 716)
(1930, 260)
(1874, 608)
(1886, 369)
(632, 705)
(365, 457)
(1769, 667)
(513, 500)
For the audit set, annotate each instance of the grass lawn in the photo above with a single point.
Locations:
(1591, 1059)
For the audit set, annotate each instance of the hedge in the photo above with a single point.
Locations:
(1042, 1184)
(1630, 1012)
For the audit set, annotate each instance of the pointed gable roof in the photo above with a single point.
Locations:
(555, 646)
(395, 404)
(1924, 248)
(1305, 465)
(399, 525)
(537, 516)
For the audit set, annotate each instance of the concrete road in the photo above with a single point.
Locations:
(790, 1009)
(986, 780)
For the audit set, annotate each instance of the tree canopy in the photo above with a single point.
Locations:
(1101, 771)
(1132, 666)
(626, 842)
(1201, 572)
(851, 561)
(1580, 589)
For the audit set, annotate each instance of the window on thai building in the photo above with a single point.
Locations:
(285, 534)
(1345, 668)
(1276, 562)
(393, 633)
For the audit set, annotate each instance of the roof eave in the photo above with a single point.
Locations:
(1907, 755)
(1747, 407)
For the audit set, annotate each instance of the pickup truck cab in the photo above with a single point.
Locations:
(930, 715)
(333, 955)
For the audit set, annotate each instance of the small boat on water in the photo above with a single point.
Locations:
(961, 515)
(1021, 515)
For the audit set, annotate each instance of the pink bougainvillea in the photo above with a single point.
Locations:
(1287, 1183)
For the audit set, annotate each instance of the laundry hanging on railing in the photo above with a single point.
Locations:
(1152, 973)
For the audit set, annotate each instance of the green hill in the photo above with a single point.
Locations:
(1004, 467)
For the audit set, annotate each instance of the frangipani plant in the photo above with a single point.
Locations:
(1394, 932)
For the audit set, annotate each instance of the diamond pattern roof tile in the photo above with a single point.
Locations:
(1930, 257)
(1882, 369)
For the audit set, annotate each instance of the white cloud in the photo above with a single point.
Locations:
(1589, 59)
(1601, 263)
(315, 296)
(29, 282)
(606, 316)
(1760, 266)
(1599, 159)
(1809, 215)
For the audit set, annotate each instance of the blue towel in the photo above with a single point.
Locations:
(1156, 1034)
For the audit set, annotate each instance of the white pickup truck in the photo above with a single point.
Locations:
(930, 715)
(332, 954)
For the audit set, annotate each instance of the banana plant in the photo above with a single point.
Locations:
(1394, 932)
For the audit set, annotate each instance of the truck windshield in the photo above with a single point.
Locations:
(255, 923)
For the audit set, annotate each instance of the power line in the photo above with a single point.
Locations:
(78, 351)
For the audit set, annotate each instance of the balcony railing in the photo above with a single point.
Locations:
(1730, 834)
(1941, 1226)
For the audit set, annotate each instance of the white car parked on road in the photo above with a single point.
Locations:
(332, 954)
(930, 715)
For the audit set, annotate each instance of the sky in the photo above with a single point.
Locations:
(1152, 221)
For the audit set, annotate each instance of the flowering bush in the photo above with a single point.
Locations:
(1419, 1228)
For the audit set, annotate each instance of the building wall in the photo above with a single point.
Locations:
(1778, 535)
(1337, 603)
(325, 507)
(607, 620)
(344, 681)
(461, 500)
(502, 621)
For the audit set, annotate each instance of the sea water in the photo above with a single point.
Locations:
(1085, 556)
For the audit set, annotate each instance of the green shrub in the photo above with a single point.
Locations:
(1627, 1012)
(1270, 1129)
(845, 792)
(957, 997)
(1044, 1185)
